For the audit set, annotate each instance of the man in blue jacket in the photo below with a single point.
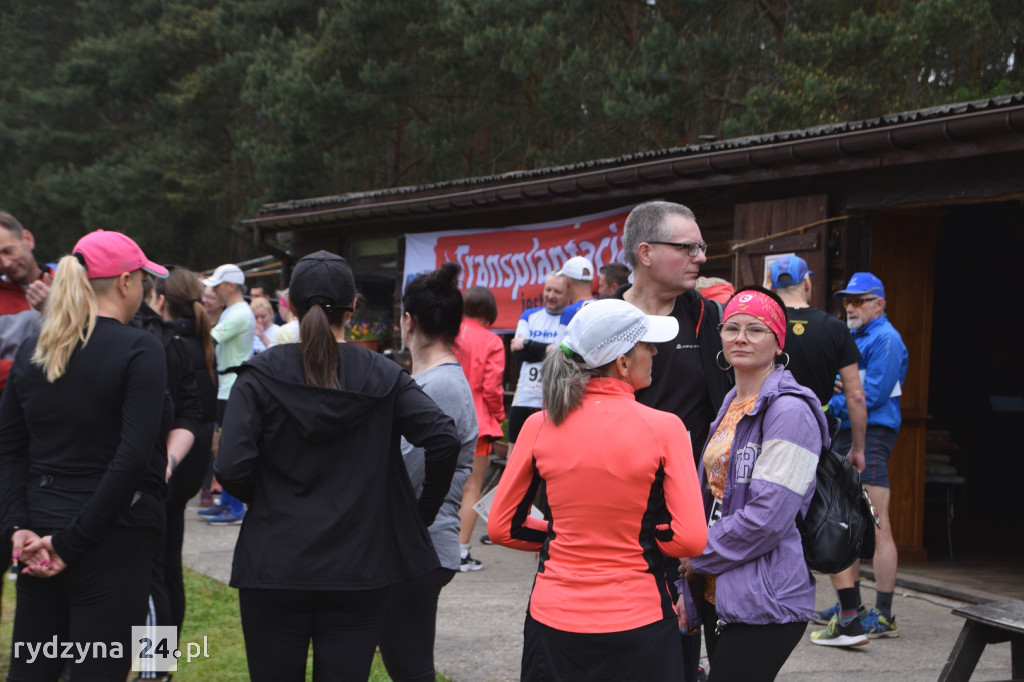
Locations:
(883, 369)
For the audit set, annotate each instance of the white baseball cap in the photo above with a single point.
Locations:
(579, 268)
(605, 329)
(225, 273)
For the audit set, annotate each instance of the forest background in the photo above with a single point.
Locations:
(172, 120)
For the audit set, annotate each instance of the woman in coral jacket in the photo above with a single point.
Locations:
(622, 490)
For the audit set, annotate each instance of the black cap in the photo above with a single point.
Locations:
(322, 278)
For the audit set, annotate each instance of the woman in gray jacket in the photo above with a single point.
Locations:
(431, 317)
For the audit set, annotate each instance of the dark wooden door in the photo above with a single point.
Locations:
(903, 256)
(765, 228)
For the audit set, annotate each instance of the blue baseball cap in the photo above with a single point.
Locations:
(787, 271)
(863, 283)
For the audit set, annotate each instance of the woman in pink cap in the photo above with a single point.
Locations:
(82, 466)
(750, 585)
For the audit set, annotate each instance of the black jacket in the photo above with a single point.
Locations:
(331, 505)
(83, 453)
(181, 381)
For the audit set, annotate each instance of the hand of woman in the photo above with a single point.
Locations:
(684, 622)
(42, 559)
(19, 539)
(686, 570)
(26, 551)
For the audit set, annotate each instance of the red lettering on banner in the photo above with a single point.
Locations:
(514, 262)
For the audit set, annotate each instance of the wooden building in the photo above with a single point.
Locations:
(929, 200)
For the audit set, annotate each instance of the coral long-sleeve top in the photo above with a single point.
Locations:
(622, 489)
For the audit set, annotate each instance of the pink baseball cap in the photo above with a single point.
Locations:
(108, 254)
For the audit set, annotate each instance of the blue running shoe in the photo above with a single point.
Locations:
(877, 625)
(824, 616)
(214, 510)
(226, 519)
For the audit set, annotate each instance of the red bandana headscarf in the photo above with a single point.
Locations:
(762, 307)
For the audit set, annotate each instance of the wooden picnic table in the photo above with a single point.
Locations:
(986, 624)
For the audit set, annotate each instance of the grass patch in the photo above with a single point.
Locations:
(213, 612)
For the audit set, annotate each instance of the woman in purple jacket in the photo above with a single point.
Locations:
(751, 586)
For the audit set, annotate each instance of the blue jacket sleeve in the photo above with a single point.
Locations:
(883, 361)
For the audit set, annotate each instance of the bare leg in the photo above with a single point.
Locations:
(848, 577)
(884, 561)
(470, 496)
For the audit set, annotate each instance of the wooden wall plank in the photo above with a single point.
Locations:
(903, 256)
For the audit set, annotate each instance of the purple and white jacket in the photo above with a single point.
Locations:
(755, 547)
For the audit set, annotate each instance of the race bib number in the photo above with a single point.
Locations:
(716, 512)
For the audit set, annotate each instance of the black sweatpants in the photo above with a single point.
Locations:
(278, 626)
(748, 653)
(96, 600)
(407, 641)
(649, 653)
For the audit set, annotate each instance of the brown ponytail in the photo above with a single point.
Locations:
(319, 349)
(183, 292)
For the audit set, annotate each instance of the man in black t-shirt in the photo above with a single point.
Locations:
(820, 348)
(663, 245)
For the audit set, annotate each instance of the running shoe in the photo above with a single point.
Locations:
(823, 617)
(876, 625)
(212, 510)
(469, 564)
(226, 519)
(835, 634)
(485, 540)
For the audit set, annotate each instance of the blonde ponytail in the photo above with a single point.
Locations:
(69, 318)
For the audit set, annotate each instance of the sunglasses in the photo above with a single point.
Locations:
(857, 302)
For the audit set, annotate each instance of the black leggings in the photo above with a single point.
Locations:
(97, 599)
(407, 641)
(748, 653)
(343, 626)
(650, 652)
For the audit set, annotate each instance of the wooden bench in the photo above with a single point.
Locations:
(986, 624)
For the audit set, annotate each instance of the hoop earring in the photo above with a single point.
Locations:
(786, 363)
(718, 361)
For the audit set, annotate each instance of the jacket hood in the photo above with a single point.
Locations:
(322, 414)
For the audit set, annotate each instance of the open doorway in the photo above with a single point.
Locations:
(976, 396)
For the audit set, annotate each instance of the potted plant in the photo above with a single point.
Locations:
(369, 328)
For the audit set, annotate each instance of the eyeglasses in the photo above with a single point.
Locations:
(754, 333)
(857, 302)
(692, 248)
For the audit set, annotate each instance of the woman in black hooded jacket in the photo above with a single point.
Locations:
(311, 442)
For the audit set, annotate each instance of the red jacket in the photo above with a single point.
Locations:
(18, 321)
(482, 356)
